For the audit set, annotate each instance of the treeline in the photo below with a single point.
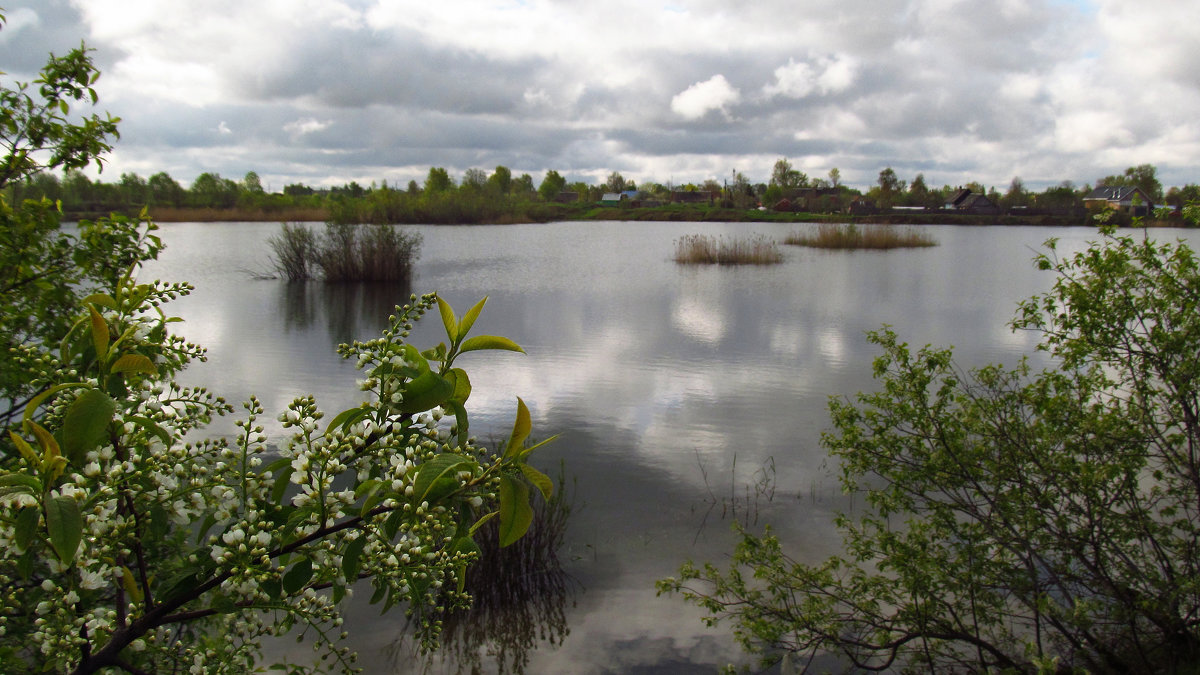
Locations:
(501, 197)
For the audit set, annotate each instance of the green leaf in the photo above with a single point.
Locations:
(102, 299)
(483, 519)
(468, 319)
(36, 401)
(149, 425)
(25, 528)
(21, 480)
(65, 526)
(426, 392)
(515, 513)
(489, 342)
(298, 576)
(99, 332)
(443, 465)
(86, 423)
(540, 480)
(352, 558)
(134, 363)
(282, 481)
(448, 319)
(347, 418)
(520, 431)
(461, 383)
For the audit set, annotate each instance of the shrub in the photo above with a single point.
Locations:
(345, 253)
(1014, 521)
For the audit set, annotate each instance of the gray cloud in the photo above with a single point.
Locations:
(326, 92)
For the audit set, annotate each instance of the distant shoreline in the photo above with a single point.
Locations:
(650, 214)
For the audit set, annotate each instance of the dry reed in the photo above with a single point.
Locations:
(832, 235)
(700, 249)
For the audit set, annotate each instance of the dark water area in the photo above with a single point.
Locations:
(685, 397)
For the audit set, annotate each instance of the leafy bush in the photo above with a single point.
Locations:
(1016, 520)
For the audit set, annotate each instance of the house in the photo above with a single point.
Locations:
(618, 197)
(567, 197)
(966, 201)
(689, 197)
(1123, 198)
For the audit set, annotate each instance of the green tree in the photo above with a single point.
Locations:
(1017, 195)
(615, 183)
(252, 183)
(44, 270)
(438, 181)
(1144, 176)
(551, 185)
(787, 178)
(474, 180)
(1015, 520)
(164, 190)
(835, 177)
(209, 190)
(500, 182)
(37, 131)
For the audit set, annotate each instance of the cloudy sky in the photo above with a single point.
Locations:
(328, 91)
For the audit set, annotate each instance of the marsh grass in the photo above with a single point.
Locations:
(701, 249)
(831, 235)
(345, 253)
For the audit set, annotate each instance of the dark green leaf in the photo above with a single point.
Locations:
(443, 465)
(298, 576)
(26, 527)
(352, 558)
(426, 392)
(86, 423)
(65, 526)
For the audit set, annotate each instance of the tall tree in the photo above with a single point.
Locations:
(438, 181)
(1144, 176)
(615, 183)
(551, 185)
(501, 180)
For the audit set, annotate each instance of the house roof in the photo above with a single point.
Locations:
(1116, 193)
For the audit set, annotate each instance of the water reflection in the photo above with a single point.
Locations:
(351, 310)
(520, 597)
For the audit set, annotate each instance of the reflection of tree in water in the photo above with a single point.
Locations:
(352, 310)
(520, 595)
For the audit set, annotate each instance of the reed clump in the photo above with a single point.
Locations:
(701, 249)
(345, 252)
(851, 236)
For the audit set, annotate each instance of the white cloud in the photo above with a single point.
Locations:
(827, 75)
(698, 100)
(306, 125)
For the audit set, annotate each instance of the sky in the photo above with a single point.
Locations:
(324, 92)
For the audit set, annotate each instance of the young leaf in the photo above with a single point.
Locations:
(448, 319)
(65, 527)
(26, 449)
(515, 513)
(134, 363)
(468, 319)
(489, 342)
(540, 480)
(520, 431)
(99, 332)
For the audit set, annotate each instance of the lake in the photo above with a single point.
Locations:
(685, 397)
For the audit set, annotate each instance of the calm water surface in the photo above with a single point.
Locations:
(675, 389)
